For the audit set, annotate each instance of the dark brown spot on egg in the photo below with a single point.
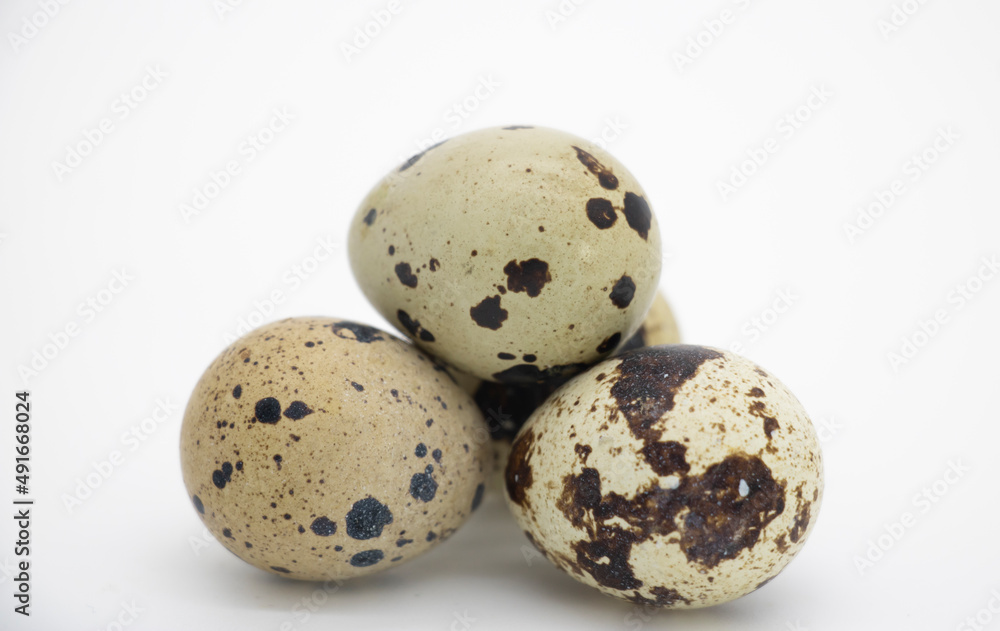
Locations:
(758, 409)
(488, 313)
(801, 523)
(637, 214)
(298, 410)
(414, 327)
(712, 519)
(405, 275)
(506, 356)
(268, 410)
(601, 213)
(610, 343)
(280, 569)
(517, 475)
(755, 392)
(622, 293)
(604, 175)
(527, 276)
(531, 373)
(323, 526)
(434, 264)
(197, 504)
(409, 163)
(367, 558)
(666, 458)
(662, 597)
(370, 217)
(358, 332)
(366, 519)
(583, 451)
(237, 391)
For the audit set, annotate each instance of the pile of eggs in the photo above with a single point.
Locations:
(523, 264)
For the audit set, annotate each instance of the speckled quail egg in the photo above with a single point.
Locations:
(320, 449)
(679, 476)
(515, 254)
(506, 407)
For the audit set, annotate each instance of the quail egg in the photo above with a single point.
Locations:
(317, 449)
(679, 476)
(515, 254)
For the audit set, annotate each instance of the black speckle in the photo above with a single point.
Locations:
(430, 422)
(530, 358)
(431, 536)
(298, 410)
(370, 217)
(405, 275)
(227, 533)
(423, 487)
(609, 344)
(367, 558)
(361, 332)
(310, 344)
(358, 386)
(392, 250)
(488, 313)
(248, 544)
(367, 518)
(268, 410)
(413, 326)
(637, 214)
(280, 569)
(277, 461)
(506, 356)
(239, 465)
(237, 391)
(601, 213)
(436, 454)
(338, 548)
(527, 276)
(434, 264)
(477, 499)
(301, 529)
(197, 504)
(421, 450)
(323, 527)
(402, 542)
(623, 292)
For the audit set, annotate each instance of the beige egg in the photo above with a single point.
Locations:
(679, 476)
(319, 449)
(515, 254)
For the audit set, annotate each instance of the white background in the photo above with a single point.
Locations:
(891, 429)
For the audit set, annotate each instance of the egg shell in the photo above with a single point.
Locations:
(318, 449)
(680, 476)
(515, 254)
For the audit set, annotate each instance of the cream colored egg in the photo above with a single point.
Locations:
(319, 449)
(680, 476)
(515, 254)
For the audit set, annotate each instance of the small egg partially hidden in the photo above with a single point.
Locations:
(317, 449)
(679, 476)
